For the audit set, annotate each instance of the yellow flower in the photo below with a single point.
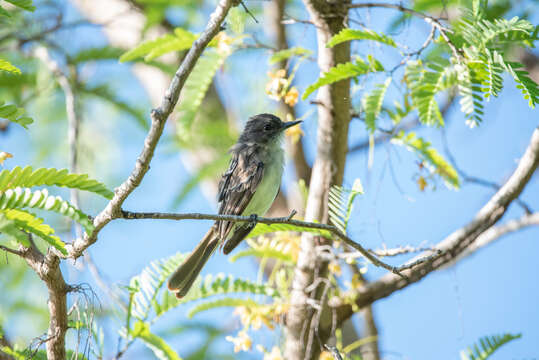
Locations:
(325, 355)
(3, 156)
(275, 354)
(357, 282)
(422, 183)
(291, 97)
(223, 43)
(335, 268)
(242, 342)
(277, 84)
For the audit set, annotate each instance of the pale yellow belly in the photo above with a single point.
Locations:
(267, 190)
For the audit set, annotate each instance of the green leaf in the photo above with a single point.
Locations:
(373, 104)
(9, 227)
(470, 90)
(95, 54)
(14, 114)
(7, 66)
(27, 177)
(180, 40)
(288, 53)
(23, 4)
(527, 86)
(261, 229)
(219, 303)
(33, 224)
(221, 284)
(354, 34)
(340, 204)
(160, 348)
(19, 198)
(425, 85)
(4, 13)
(263, 252)
(434, 161)
(487, 346)
(341, 72)
(195, 89)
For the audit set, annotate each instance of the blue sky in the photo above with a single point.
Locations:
(492, 292)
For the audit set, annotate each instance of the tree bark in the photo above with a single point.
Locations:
(303, 338)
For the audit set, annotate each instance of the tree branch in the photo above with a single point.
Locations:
(461, 239)
(158, 117)
(496, 232)
(128, 215)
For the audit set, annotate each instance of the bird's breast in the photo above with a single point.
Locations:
(268, 188)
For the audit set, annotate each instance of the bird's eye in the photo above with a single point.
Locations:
(267, 127)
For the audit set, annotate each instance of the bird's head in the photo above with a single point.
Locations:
(264, 128)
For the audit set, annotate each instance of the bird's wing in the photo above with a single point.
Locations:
(238, 184)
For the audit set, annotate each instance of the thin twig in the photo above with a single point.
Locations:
(429, 19)
(12, 251)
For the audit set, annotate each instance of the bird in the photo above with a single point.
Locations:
(247, 188)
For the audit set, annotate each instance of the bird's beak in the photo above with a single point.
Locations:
(286, 125)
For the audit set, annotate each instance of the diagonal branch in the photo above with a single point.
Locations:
(158, 117)
(461, 239)
(496, 232)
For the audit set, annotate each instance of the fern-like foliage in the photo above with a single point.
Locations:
(14, 114)
(433, 160)
(288, 53)
(222, 284)
(480, 73)
(23, 4)
(9, 67)
(145, 287)
(340, 204)
(267, 247)
(344, 71)
(181, 39)
(96, 53)
(220, 303)
(20, 198)
(354, 34)
(487, 346)
(425, 82)
(22, 220)
(471, 101)
(27, 177)
(262, 229)
(195, 89)
(373, 104)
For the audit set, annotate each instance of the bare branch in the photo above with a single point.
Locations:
(159, 117)
(461, 239)
(496, 232)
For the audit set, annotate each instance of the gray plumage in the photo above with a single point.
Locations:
(248, 187)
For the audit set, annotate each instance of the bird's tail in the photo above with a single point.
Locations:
(185, 275)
